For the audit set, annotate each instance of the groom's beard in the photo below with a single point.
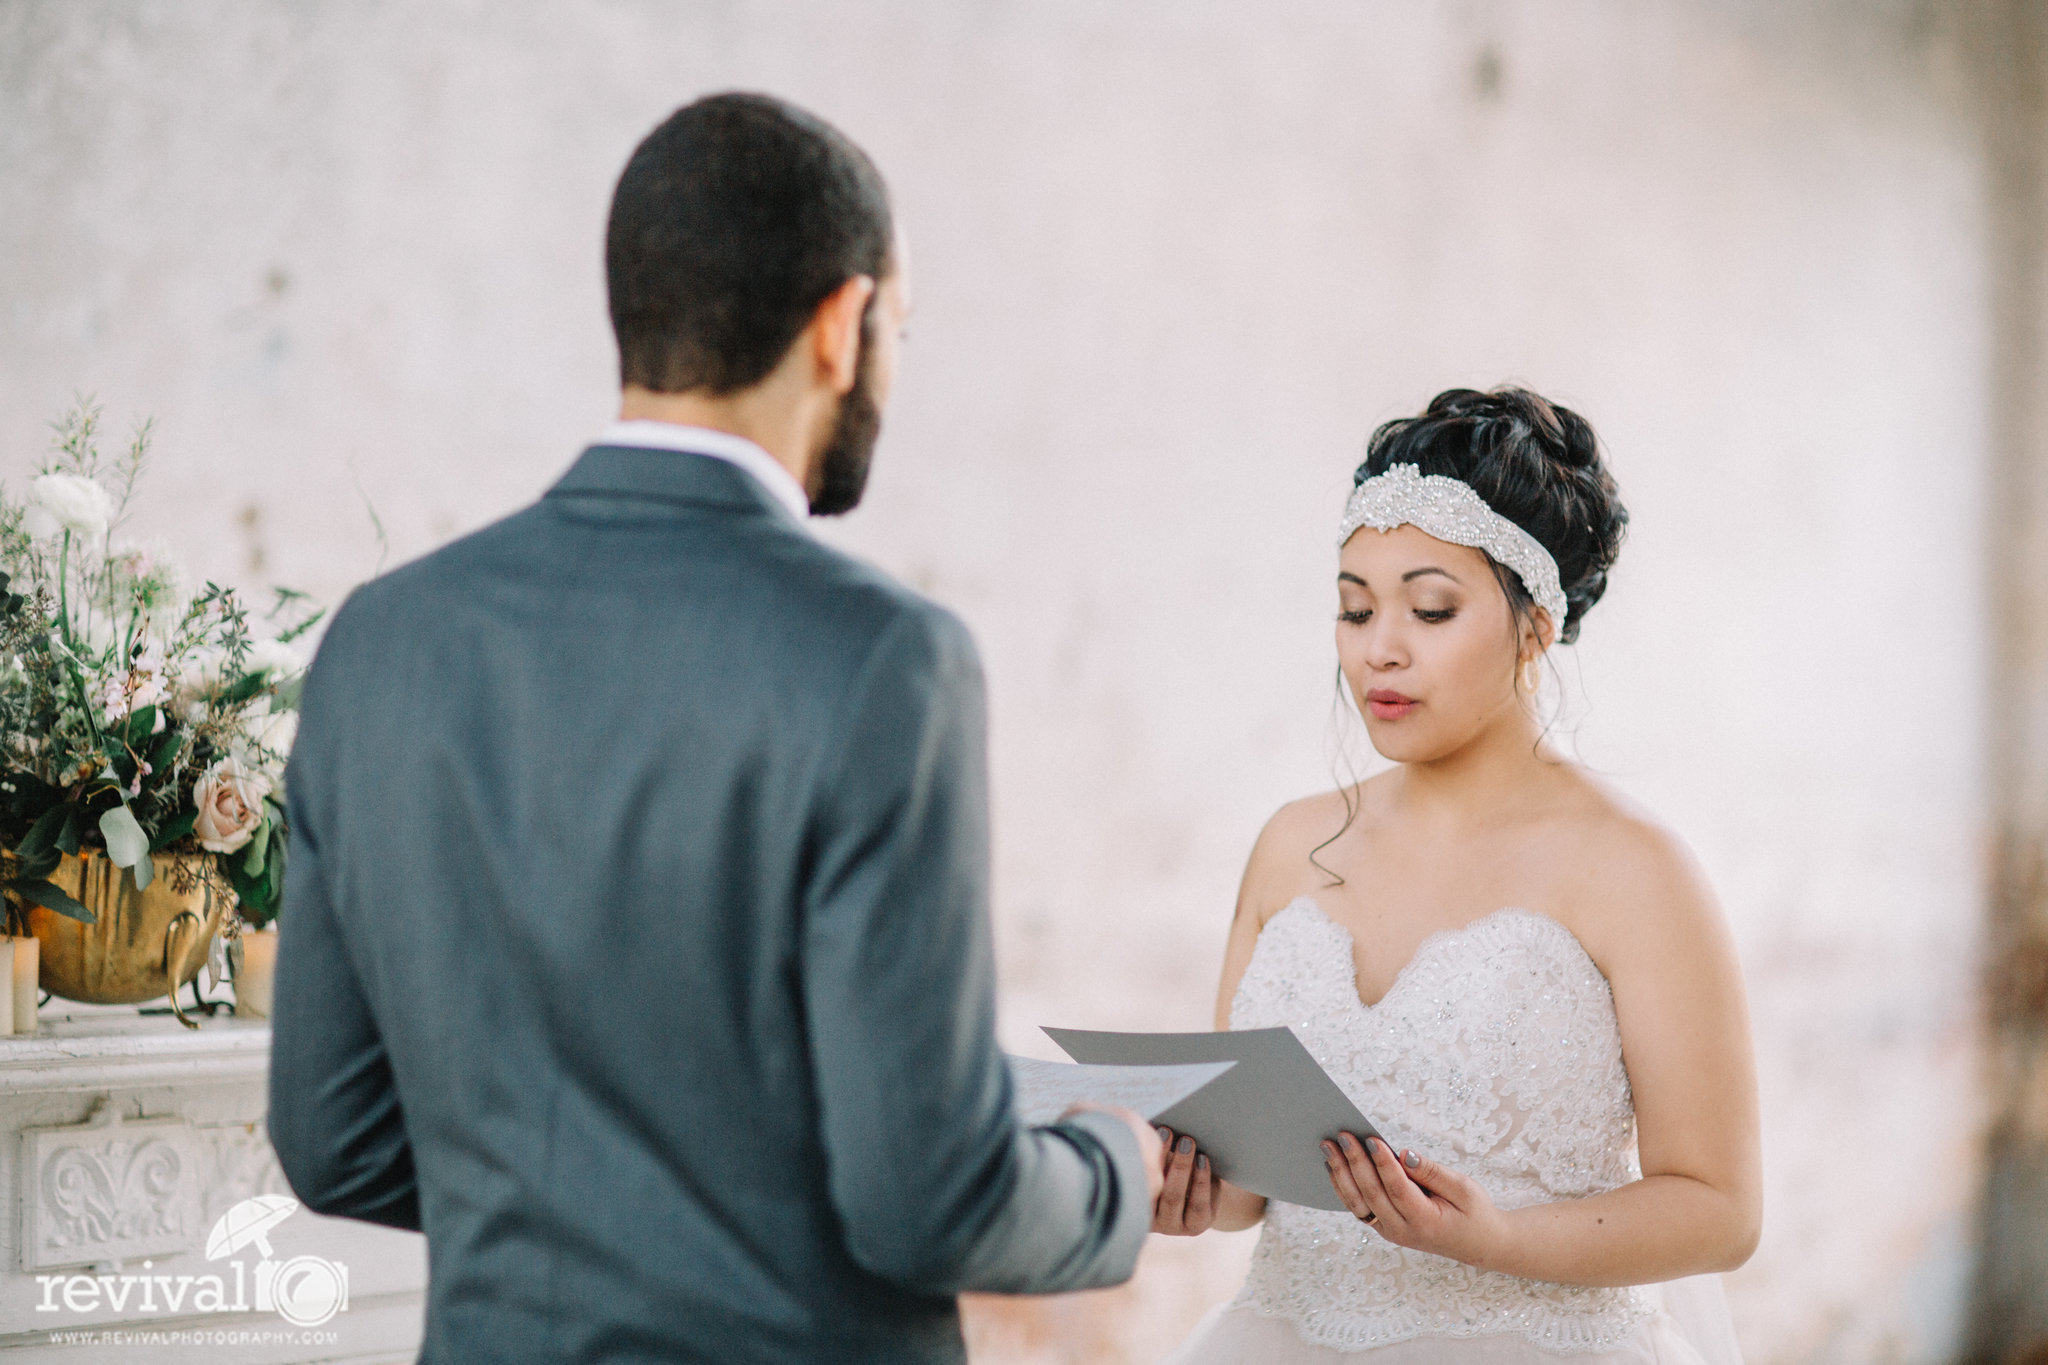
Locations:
(840, 474)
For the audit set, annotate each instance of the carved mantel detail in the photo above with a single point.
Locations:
(113, 1189)
(239, 1162)
(108, 1190)
(173, 1139)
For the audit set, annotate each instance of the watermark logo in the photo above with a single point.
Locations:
(305, 1291)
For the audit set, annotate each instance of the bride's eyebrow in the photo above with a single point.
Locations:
(1414, 574)
(1346, 576)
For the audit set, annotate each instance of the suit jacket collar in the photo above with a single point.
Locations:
(671, 476)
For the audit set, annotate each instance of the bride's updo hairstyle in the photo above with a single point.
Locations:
(1533, 462)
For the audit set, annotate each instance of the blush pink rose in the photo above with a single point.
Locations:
(230, 801)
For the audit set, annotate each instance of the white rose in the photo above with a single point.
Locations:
(68, 502)
(276, 658)
(230, 801)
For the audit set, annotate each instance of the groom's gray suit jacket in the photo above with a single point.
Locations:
(636, 946)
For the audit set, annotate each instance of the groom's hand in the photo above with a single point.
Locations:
(1148, 1144)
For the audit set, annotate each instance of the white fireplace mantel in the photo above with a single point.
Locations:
(124, 1139)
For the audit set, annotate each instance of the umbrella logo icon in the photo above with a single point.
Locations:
(305, 1290)
(249, 1222)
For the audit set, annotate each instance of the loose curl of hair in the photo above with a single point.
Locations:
(1535, 463)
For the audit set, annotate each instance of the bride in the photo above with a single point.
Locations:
(1522, 980)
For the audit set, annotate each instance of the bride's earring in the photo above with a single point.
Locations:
(1529, 675)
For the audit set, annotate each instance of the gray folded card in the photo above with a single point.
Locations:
(1262, 1123)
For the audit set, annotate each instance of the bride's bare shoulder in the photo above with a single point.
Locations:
(1280, 867)
(1640, 881)
(1300, 827)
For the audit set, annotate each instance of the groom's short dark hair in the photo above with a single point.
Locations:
(733, 221)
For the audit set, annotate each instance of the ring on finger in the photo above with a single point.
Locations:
(1368, 1217)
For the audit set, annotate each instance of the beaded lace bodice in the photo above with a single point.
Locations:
(1495, 1051)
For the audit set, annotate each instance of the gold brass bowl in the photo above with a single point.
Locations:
(144, 943)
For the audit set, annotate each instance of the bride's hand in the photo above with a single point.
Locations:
(1412, 1201)
(1186, 1206)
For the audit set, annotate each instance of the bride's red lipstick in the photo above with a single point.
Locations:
(1386, 705)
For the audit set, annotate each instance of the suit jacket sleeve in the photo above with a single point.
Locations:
(938, 1186)
(335, 1118)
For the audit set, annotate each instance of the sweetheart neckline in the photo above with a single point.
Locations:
(1429, 942)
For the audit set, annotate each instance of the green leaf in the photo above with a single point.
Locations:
(288, 694)
(74, 823)
(141, 726)
(127, 845)
(166, 750)
(253, 851)
(261, 897)
(248, 890)
(244, 688)
(51, 897)
(273, 880)
(280, 850)
(175, 830)
(42, 864)
(302, 627)
(42, 835)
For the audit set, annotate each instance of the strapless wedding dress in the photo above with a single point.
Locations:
(1495, 1051)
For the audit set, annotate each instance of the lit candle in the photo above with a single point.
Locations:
(28, 957)
(255, 974)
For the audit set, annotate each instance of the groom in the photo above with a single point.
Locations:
(637, 941)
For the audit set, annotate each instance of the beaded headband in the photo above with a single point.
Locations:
(1449, 510)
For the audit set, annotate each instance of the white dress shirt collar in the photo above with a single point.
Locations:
(644, 434)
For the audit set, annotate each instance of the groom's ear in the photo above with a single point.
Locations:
(834, 334)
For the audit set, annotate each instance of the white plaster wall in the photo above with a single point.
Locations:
(1173, 261)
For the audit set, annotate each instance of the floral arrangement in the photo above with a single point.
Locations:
(136, 715)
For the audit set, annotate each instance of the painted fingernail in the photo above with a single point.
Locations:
(1413, 1160)
(1202, 1163)
(1187, 1144)
(1166, 1135)
(1329, 1151)
(1348, 1141)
